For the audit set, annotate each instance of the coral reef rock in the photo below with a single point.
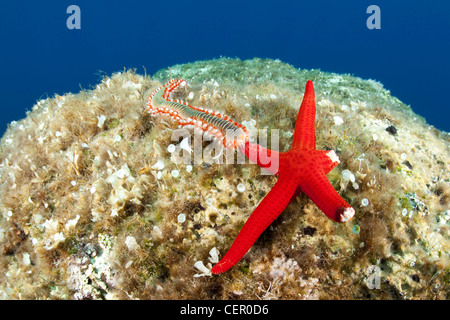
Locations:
(96, 204)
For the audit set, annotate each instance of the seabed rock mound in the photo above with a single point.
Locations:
(94, 206)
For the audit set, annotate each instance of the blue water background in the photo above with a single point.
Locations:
(40, 56)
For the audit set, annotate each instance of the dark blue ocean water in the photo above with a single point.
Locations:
(40, 56)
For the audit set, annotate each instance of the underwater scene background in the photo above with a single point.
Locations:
(97, 200)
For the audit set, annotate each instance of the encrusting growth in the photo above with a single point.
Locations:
(301, 169)
(127, 206)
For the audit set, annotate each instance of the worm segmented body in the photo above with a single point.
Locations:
(230, 133)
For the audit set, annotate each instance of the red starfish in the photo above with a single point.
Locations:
(301, 169)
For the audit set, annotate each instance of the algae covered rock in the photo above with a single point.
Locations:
(96, 204)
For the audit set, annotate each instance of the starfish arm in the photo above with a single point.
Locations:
(327, 160)
(322, 193)
(304, 134)
(263, 157)
(266, 212)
